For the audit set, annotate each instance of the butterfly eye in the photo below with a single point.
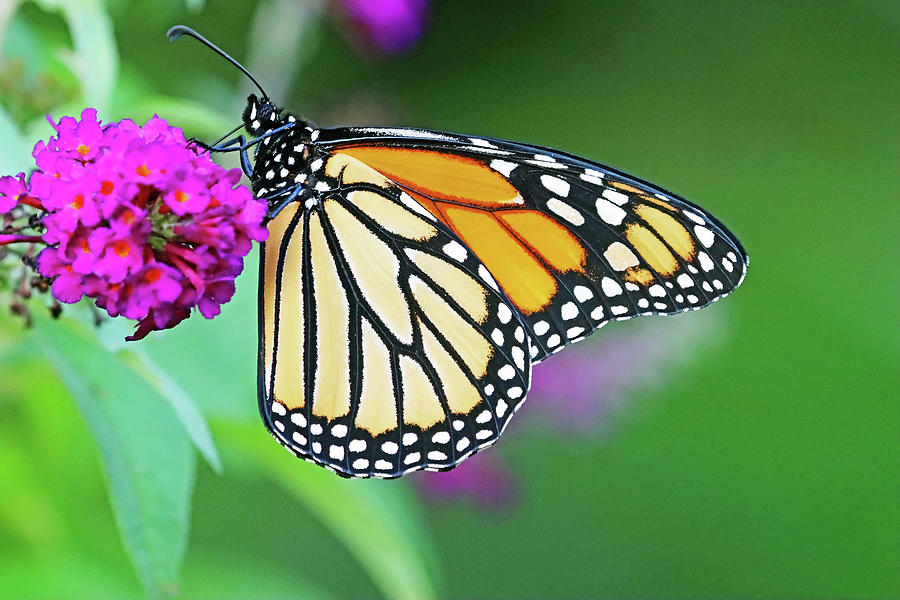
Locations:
(266, 110)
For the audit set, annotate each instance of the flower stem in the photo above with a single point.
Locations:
(13, 239)
(31, 201)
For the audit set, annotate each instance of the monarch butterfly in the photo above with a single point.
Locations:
(412, 278)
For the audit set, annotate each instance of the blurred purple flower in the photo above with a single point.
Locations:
(388, 26)
(575, 392)
(484, 478)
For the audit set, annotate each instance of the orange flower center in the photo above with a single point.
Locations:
(82, 149)
(182, 197)
(78, 202)
(121, 248)
(85, 247)
(152, 275)
(143, 171)
(106, 187)
(128, 217)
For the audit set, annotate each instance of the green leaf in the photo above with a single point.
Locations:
(147, 457)
(226, 345)
(375, 520)
(181, 402)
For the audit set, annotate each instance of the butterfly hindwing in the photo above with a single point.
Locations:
(385, 345)
(573, 244)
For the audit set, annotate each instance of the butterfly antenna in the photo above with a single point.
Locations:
(179, 30)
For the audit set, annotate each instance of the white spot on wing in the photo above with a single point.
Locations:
(558, 186)
(574, 332)
(501, 408)
(506, 372)
(615, 196)
(519, 357)
(482, 143)
(569, 311)
(610, 287)
(693, 217)
(410, 203)
(705, 236)
(486, 277)
(565, 211)
(609, 212)
(583, 293)
(590, 177)
(455, 251)
(503, 167)
(416, 133)
(441, 437)
(503, 313)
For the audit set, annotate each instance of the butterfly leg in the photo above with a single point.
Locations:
(291, 193)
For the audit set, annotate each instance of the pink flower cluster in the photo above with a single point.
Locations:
(140, 221)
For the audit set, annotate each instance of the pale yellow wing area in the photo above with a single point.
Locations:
(385, 344)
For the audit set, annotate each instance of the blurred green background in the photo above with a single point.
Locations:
(764, 467)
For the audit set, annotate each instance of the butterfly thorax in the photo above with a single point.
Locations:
(282, 157)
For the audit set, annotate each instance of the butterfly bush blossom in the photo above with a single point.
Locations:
(137, 219)
(389, 27)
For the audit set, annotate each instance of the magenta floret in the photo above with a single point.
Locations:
(10, 190)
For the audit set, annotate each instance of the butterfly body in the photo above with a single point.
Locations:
(412, 278)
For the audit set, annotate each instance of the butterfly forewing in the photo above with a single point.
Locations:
(573, 244)
(385, 344)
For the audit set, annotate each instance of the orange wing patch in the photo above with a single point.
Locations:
(669, 229)
(546, 238)
(520, 247)
(516, 269)
(440, 175)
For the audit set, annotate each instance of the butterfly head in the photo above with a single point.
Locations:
(261, 115)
